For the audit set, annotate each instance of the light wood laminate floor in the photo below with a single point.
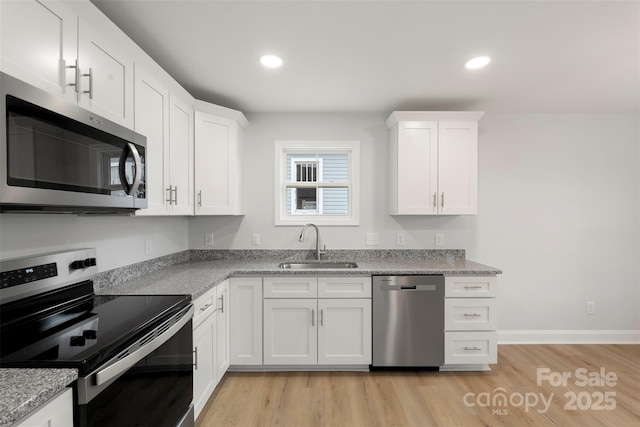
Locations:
(524, 373)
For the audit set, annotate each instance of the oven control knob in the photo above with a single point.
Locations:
(77, 341)
(90, 334)
(77, 265)
(80, 264)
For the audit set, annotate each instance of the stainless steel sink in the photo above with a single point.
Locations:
(318, 264)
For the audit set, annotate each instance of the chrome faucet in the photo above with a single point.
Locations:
(301, 239)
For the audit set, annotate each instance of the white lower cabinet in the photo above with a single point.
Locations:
(470, 322)
(210, 343)
(56, 412)
(245, 320)
(312, 331)
(204, 365)
(290, 332)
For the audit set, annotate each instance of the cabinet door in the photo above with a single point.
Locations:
(217, 166)
(245, 323)
(152, 121)
(458, 168)
(344, 334)
(417, 167)
(106, 86)
(204, 368)
(181, 156)
(48, 30)
(290, 332)
(57, 412)
(222, 328)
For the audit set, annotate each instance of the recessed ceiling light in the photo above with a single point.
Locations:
(271, 61)
(477, 62)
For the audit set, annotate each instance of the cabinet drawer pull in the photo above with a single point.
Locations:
(472, 349)
(473, 287)
(204, 307)
(472, 315)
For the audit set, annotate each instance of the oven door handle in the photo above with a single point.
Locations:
(119, 367)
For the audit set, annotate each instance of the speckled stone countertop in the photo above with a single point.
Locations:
(23, 390)
(204, 270)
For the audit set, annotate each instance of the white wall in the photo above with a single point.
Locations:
(119, 241)
(558, 210)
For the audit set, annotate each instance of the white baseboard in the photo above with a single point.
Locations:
(568, 337)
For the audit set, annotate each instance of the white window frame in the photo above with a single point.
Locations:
(351, 148)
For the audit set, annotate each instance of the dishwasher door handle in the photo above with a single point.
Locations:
(415, 288)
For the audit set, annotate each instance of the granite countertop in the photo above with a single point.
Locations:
(195, 277)
(23, 390)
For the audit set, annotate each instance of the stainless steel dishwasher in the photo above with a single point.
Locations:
(408, 321)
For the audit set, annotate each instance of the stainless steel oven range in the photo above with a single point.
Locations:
(133, 353)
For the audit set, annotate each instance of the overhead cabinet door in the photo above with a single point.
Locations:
(457, 168)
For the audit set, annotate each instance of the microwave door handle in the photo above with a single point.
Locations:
(130, 189)
(138, 177)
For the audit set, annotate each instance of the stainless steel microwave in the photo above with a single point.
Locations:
(58, 157)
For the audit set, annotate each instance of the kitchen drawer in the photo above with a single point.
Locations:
(473, 348)
(470, 286)
(470, 314)
(203, 306)
(344, 287)
(290, 287)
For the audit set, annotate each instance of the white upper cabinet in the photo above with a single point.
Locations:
(167, 122)
(106, 83)
(47, 27)
(45, 43)
(433, 162)
(180, 191)
(218, 149)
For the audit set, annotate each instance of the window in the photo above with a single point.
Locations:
(317, 181)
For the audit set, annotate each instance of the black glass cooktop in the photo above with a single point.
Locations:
(82, 334)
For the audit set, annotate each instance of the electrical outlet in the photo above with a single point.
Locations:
(401, 239)
(208, 239)
(148, 247)
(373, 239)
(438, 239)
(255, 239)
(591, 307)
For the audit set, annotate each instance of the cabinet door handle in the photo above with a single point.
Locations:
(435, 200)
(170, 191)
(175, 199)
(200, 198)
(90, 75)
(195, 352)
(221, 299)
(442, 200)
(76, 77)
(322, 317)
(313, 317)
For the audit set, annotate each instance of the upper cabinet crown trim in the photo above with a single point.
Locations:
(398, 116)
(220, 111)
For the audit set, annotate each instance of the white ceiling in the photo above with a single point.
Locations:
(371, 55)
